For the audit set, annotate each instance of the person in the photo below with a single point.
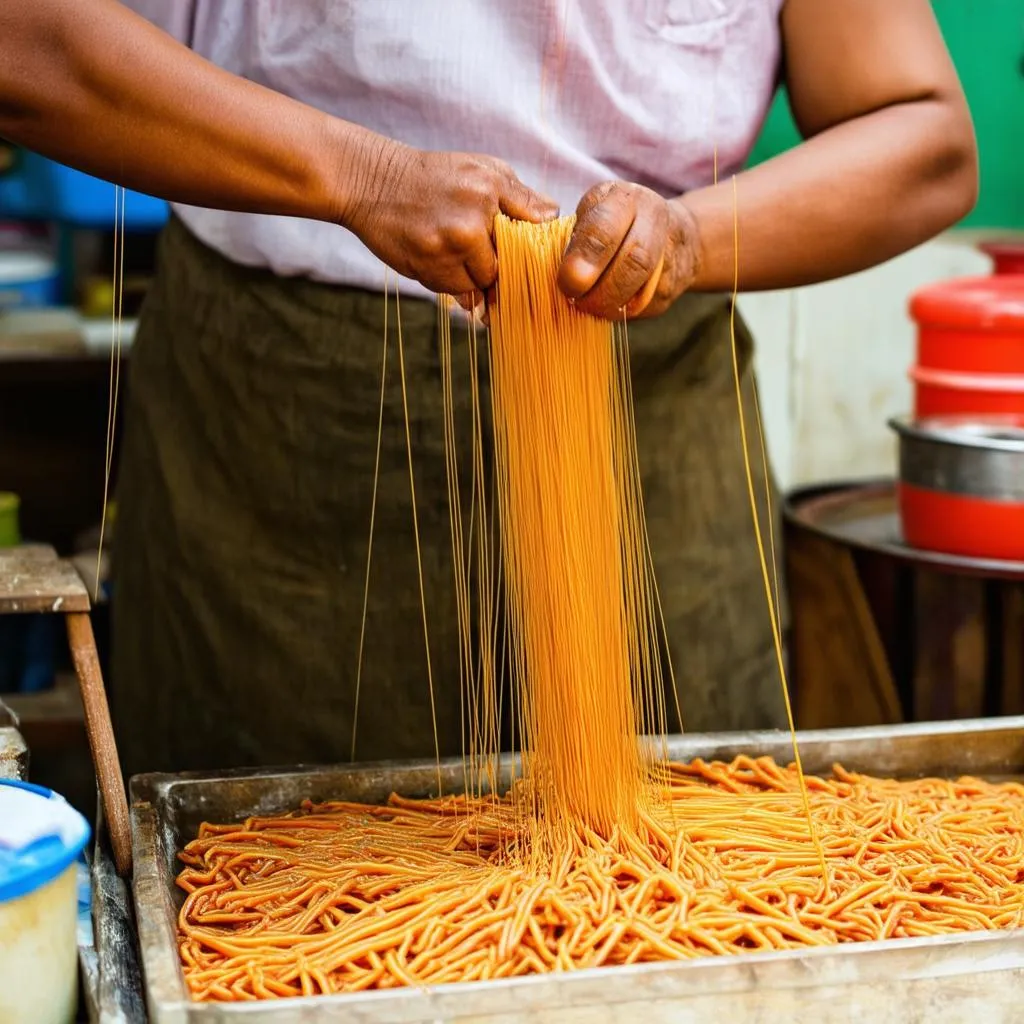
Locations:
(311, 145)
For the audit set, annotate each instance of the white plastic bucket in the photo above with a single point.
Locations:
(41, 838)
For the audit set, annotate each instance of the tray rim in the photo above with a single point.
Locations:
(954, 955)
(144, 786)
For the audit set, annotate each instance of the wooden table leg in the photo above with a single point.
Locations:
(101, 738)
(840, 671)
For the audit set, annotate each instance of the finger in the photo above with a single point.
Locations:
(634, 263)
(482, 265)
(642, 299)
(599, 232)
(468, 300)
(596, 195)
(490, 297)
(449, 282)
(631, 268)
(472, 303)
(517, 201)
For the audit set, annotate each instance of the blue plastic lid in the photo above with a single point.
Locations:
(41, 835)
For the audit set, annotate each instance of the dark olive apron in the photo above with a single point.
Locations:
(244, 510)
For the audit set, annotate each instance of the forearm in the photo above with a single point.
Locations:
(845, 200)
(99, 88)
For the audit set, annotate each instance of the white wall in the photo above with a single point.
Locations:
(832, 362)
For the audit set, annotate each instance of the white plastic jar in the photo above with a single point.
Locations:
(41, 837)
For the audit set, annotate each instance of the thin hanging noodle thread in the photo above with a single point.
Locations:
(416, 534)
(373, 520)
(773, 611)
(116, 323)
(777, 624)
(460, 561)
(654, 595)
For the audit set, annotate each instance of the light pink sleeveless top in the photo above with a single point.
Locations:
(569, 92)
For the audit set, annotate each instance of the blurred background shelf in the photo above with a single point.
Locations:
(34, 188)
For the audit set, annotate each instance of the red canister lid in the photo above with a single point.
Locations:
(988, 303)
(1007, 255)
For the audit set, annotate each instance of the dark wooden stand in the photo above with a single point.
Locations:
(882, 633)
(34, 579)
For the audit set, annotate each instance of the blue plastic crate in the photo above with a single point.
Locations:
(37, 188)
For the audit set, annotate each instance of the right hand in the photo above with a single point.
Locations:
(430, 215)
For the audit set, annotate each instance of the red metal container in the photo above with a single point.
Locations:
(970, 347)
(959, 525)
(961, 485)
(1007, 257)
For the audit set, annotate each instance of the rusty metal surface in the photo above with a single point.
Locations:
(13, 754)
(953, 977)
(108, 952)
(34, 579)
(116, 996)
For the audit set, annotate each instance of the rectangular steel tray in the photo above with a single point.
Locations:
(948, 978)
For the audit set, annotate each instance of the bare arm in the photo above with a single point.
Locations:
(890, 158)
(95, 86)
(889, 161)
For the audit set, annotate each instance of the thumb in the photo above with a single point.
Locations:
(522, 203)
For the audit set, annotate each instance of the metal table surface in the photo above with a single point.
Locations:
(951, 978)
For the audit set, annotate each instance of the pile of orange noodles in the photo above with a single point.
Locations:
(343, 897)
(602, 852)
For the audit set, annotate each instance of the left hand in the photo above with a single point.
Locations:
(632, 252)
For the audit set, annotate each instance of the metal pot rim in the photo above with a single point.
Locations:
(984, 432)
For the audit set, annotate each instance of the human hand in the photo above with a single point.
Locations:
(632, 253)
(430, 215)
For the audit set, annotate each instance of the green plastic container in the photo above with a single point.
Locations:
(10, 533)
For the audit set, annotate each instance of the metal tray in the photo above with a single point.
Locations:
(864, 515)
(948, 978)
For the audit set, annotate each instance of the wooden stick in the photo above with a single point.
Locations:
(101, 738)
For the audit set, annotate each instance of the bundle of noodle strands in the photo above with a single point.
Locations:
(600, 852)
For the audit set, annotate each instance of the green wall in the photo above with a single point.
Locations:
(986, 39)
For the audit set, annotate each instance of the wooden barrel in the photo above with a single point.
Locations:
(882, 633)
